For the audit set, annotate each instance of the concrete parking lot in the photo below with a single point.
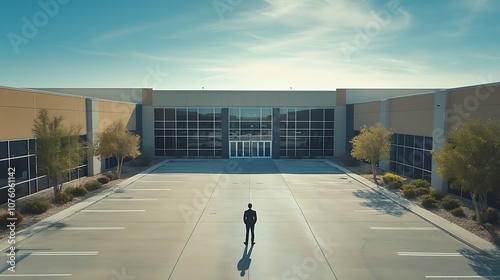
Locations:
(183, 220)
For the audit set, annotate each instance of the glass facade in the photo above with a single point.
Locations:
(248, 132)
(250, 124)
(306, 132)
(188, 132)
(411, 156)
(21, 155)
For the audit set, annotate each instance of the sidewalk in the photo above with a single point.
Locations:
(453, 230)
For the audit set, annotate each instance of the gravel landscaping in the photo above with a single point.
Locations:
(488, 232)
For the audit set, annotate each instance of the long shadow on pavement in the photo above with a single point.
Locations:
(379, 202)
(487, 266)
(244, 263)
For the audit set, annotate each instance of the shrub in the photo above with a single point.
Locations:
(422, 190)
(458, 212)
(77, 191)
(428, 201)
(492, 216)
(103, 180)
(420, 183)
(409, 191)
(436, 194)
(348, 160)
(394, 185)
(63, 197)
(111, 175)
(36, 206)
(69, 190)
(450, 203)
(92, 186)
(389, 177)
(4, 215)
(474, 217)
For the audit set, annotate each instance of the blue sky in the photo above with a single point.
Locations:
(249, 44)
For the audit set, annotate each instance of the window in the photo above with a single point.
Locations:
(306, 132)
(410, 155)
(186, 131)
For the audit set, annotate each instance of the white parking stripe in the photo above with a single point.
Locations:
(35, 275)
(460, 277)
(148, 189)
(428, 254)
(112, 211)
(163, 181)
(129, 199)
(87, 228)
(403, 228)
(64, 253)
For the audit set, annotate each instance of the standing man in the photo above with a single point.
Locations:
(250, 218)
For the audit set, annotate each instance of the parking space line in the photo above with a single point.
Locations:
(163, 181)
(428, 254)
(130, 199)
(460, 277)
(403, 228)
(112, 211)
(87, 228)
(64, 253)
(36, 275)
(148, 189)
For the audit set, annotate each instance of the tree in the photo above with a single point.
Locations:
(372, 145)
(116, 141)
(58, 149)
(470, 159)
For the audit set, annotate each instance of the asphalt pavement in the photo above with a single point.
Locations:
(183, 219)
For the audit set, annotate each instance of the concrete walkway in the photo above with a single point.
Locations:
(182, 219)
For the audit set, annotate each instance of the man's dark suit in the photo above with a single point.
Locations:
(250, 218)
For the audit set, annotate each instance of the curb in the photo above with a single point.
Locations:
(56, 218)
(460, 234)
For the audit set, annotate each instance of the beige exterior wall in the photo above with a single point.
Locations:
(132, 95)
(19, 108)
(227, 99)
(147, 97)
(366, 114)
(362, 95)
(412, 115)
(110, 112)
(481, 101)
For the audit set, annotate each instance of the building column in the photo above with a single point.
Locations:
(349, 129)
(225, 132)
(339, 134)
(148, 121)
(438, 136)
(385, 107)
(275, 145)
(92, 112)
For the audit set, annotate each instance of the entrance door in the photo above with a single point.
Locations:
(261, 149)
(240, 148)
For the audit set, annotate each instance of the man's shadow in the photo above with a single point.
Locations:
(244, 263)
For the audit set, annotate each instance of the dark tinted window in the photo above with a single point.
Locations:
(4, 150)
(18, 148)
(159, 115)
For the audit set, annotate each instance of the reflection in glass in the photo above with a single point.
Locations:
(308, 132)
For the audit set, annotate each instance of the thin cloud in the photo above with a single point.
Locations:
(127, 31)
(468, 12)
